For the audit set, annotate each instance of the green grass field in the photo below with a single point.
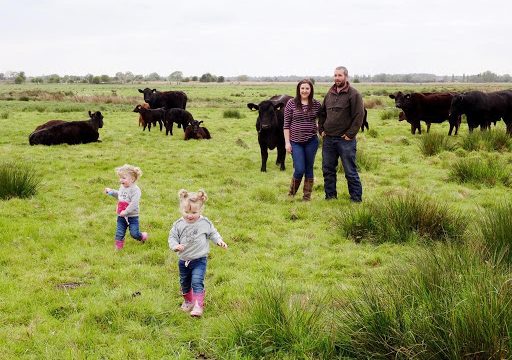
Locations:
(65, 292)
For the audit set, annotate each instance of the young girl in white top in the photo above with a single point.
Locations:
(128, 197)
(189, 238)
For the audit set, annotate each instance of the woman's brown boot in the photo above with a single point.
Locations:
(308, 189)
(294, 186)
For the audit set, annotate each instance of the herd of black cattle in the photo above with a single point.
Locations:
(168, 107)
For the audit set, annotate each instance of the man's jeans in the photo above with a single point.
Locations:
(334, 147)
(192, 275)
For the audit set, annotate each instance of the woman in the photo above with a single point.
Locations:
(300, 134)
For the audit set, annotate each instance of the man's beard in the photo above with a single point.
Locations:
(340, 84)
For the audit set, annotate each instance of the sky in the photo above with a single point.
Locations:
(257, 38)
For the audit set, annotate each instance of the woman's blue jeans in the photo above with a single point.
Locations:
(192, 275)
(303, 155)
(133, 224)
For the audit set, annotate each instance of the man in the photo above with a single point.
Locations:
(340, 119)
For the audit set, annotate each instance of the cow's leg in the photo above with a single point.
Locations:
(428, 127)
(170, 126)
(281, 154)
(149, 126)
(413, 129)
(160, 122)
(451, 129)
(264, 157)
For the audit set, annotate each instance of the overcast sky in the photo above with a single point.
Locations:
(257, 38)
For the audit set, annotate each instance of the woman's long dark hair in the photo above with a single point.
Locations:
(297, 101)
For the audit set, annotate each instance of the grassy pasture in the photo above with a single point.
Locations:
(65, 293)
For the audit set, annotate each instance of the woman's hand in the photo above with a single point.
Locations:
(288, 147)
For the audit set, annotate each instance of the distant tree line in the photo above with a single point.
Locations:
(177, 76)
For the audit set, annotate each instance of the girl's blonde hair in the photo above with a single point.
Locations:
(188, 199)
(134, 171)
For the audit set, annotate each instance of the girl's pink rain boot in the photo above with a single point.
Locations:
(197, 310)
(188, 302)
(119, 244)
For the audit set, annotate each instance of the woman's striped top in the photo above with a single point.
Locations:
(302, 123)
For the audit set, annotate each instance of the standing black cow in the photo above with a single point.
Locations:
(429, 107)
(483, 108)
(167, 99)
(269, 126)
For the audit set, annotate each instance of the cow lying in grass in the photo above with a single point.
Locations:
(195, 131)
(68, 132)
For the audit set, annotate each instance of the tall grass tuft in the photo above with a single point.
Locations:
(4, 115)
(231, 114)
(276, 326)
(489, 171)
(17, 181)
(450, 304)
(493, 140)
(403, 218)
(389, 114)
(495, 225)
(365, 161)
(433, 143)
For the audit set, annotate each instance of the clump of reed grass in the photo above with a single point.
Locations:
(495, 226)
(391, 113)
(4, 115)
(489, 172)
(275, 325)
(402, 218)
(433, 143)
(449, 304)
(365, 161)
(231, 114)
(17, 181)
(373, 102)
(373, 133)
(492, 140)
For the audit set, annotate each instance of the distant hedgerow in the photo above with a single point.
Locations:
(17, 181)
(402, 218)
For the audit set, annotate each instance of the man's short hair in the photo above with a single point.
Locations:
(345, 71)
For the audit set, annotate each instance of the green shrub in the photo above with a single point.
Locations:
(17, 181)
(232, 114)
(489, 171)
(450, 304)
(373, 133)
(433, 143)
(402, 218)
(4, 115)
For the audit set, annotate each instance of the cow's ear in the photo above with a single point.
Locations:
(200, 122)
(392, 96)
(279, 106)
(90, 114)
(253, 106)
(154, 90)
(141, 91)
(408, 96)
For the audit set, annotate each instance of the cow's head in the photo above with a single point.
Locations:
(267, 114)
(97, 117)
(402, 101)
(195, 125)
(457, 106)
(148, 94)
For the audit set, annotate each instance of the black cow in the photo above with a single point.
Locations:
(269, 126)
(365, 121)
(150, 116)
(167, 99)
(483, 108)
(195, 131)
(429, 107)
(69, 132)
(178, 116)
